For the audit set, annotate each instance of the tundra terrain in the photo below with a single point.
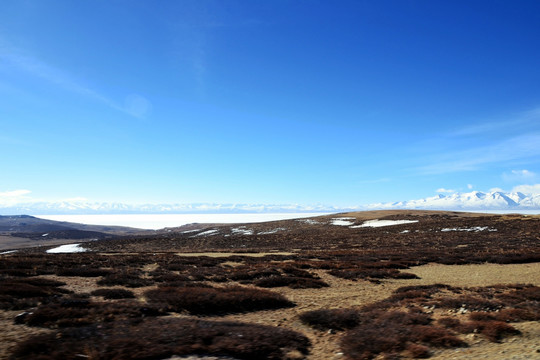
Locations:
(366, 285)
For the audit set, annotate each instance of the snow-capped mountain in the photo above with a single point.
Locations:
(475, 200)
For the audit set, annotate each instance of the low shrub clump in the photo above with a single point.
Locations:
(114, 293)
(17, 294)
(334, 319)
(393, 332)
(83, 272)
(290, 281)
(80, 312)
(163, 338)
(206, 301)
(374, 275)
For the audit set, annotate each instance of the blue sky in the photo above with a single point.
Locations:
(342, 103)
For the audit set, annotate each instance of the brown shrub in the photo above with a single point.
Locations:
(481, 316)
(199, 300)
(114, 293)
(371, 274)
(418, 351)
(292, 282)
(449, 322)
(524, 313)
(366, 341)
(390, 332)
(82, 272)
(182, 336)
(244, 273)
(435, 336)
(18, 294)
(77, 313)
(494, 330)
(469, 302)
(336, 319)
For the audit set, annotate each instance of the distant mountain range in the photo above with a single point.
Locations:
(475, 200)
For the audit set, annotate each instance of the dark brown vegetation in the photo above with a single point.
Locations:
(114, 293)
(505, 240)
(82, 312)
(18, 294)
(382, 328)
(162, 338)
(108, 322)
(206, 301)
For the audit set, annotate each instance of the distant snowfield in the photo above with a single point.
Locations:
(160, 221)
(71, 248)
(380, 223)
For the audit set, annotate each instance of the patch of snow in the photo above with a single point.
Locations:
(188, 231)
(272, 231)
(309, 221)
(342, 221)
(70, 248)
(380, 223)
(475, 229)
(242, 231)
(8, 252)
(47, 234)
(206, 233)
(405, 231)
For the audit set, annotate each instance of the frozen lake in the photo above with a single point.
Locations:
(160, 221)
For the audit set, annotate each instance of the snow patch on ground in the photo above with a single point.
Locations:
(8, 252)
(242, 231)
(70, 248)
(206, 233)
(342, 221)
(272, 231)
(309, 221)
(380, 223)
(475, 229)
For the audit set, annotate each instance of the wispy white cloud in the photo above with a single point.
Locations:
(519, 175)
(527, 189)
(520, 121)
(14, 196)
(469, 186)
(517, 148)
(135, 105)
